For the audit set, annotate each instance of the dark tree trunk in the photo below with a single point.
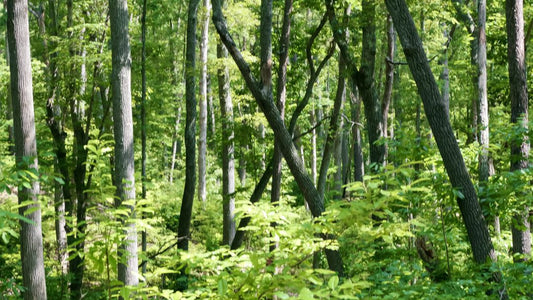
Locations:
(281, 94)
(478, 233)
(190, 129)
(366, 85)
(31, 242)
(123, 132)
(519, 113)
(332, 132)
(281, 133)
(357, 152)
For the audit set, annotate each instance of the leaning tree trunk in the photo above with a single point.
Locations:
(123, 131)
(31, 242)
(202, 137)
(281, 133)
(519, 115)
(478, 233)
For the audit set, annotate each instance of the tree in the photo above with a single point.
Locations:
(519, 113)
(190, 129)
(202, 139)
(478, 233)
(228, 148)
(123, 132)
(143, 122)
(31, 243)
(281, 133)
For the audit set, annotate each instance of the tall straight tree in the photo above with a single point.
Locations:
(228, 161)
(190, 129)
(478, 233)
(123, 132)
(202, 138)
(519, 106)
(143, 122)
(281, 95)
(31, 241)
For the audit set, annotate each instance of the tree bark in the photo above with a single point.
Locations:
(202, 137)
(357, 152)
(228, 161)
(333, 130)
(190, 129)
(281, 133)
(143, 124)
(31, 242)
(281, 95)
(389, 81)
(519, 113)
(478, 233)
(366, 85)
(123, 132)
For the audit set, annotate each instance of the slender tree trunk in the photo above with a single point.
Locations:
(77, 239)
(31, 243)
(202, 138)
(389, 80)
(53, 120)
(281, 95)
(313, 120)
(339, 158)
(281, 133)
(190, 129)
(358, 159)
(176, 142)
(143, 123)
(519, 113)
(123, 132)
(484, 167)
(476, 227)
(333, 130)
(228, 161)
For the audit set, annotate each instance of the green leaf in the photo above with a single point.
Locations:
(222, 287)
(305, 294)
(333, 282)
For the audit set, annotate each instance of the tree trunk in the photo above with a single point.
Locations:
(190, 129)
(357, 152)
(483, 105)
(281, 95)
(123, 132)
(281, 133)
(228, 161)
(143, 124)
(519, 113)
(31, 242)
(333, 130)
(366, 85)
(435, 109)
(202, 138)
(389, 80)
